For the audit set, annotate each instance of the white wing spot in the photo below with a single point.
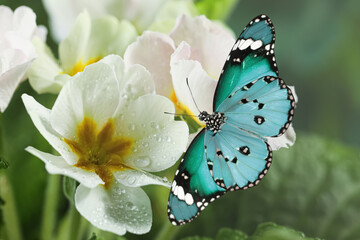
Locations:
(257, 44)
(246, 44)
(189, 199)
(236, 45)
(180, 193)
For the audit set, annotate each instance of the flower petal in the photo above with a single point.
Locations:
(84, 95)
(286, 140)
(157, 136)
(210, 43)
(158, 48)
(166, 17)
(118, 210)
(10, 75)
(141, 13)
(72, 49)
(62, 14)
(6, 18)
(134, 81)
(58, 165)
(201, 84)
(136, 178)
(41, 119)
(109, 35)
(42, 73)
(24, 22)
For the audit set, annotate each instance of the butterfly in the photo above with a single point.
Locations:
(231, 152)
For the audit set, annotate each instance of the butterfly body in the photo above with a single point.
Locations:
(251, 103)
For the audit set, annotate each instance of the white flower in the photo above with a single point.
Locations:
(16, 50)
(196, 49)
(110, 129)
(156, 14)
(88, 42)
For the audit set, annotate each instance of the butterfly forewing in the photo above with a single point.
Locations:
(251, 57)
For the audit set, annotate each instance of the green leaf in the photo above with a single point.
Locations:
(271, 231)
(196, 238)
(215, 9)
(264, 231)
(230, 234)
(2, 202)
(3, 163)
(69, 188)
(93, 237)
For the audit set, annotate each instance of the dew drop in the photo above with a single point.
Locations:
(132, 127)
(131, 180)
(154, 125)
(168, 139)
(142, 162)
(130, 206)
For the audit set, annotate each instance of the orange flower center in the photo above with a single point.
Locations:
(99, 151)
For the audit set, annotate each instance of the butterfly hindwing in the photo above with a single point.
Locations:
(193, 187)
(264, 106)
(236, 159)
(251, 57)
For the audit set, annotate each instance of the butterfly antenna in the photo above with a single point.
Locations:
(192, 96)
(180, 114)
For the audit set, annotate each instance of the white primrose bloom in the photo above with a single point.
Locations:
(88, 42)
(154, 14)
(17, 29)
(110, 130)
(196, 49)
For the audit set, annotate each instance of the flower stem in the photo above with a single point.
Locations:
(168, 231)
(12, 226)
(50, 207)
(74, 223)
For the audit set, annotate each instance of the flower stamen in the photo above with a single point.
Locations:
(100, 151)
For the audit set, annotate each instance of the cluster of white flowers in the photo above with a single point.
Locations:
(108, 123)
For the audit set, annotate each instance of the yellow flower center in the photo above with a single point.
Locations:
(80, 66)
(193, 122)
(99, 151)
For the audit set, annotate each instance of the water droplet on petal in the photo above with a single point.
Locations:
(154, 125)
(142, 162)
(131, 180)
(168, 139)
(132, 127)
(130, 205)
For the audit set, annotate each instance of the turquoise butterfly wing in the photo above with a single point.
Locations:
(251, 57)
(256, 104)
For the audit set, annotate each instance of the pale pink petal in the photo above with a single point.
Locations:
(153, 51)
(210, 43)
(201, 84)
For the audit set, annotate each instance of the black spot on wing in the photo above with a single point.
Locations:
(259, 119)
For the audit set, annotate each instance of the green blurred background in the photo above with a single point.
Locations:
(312, 187)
